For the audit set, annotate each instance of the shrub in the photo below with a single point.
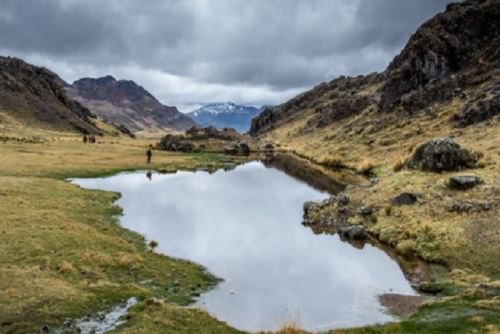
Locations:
(374, 218)
(388, 210)
(66, 267)
(398, 164)
(153, 244)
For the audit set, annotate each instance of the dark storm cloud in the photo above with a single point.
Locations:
(273, 47)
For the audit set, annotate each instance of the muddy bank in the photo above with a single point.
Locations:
(402, 305)
(318, 176)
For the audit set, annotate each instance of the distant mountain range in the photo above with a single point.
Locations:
(222, 115)
(125, 103)
(33, 96)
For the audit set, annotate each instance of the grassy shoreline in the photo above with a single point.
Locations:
(63, 253)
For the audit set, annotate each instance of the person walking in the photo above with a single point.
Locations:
(149, 153)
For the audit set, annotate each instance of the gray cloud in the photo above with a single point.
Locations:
(250, 51)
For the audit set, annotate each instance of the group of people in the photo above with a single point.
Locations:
(89, 139)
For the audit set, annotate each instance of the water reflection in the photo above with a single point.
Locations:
(244, 226)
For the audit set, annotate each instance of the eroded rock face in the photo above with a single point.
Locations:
(442, 154)
(478, 111)
(452, 42)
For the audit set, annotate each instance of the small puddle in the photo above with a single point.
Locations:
(244, 225)
(102, 322)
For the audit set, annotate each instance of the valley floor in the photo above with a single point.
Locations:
(63, 254)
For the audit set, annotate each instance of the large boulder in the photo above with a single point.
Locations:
(442, 154)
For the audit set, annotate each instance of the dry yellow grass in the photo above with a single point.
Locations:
(427, 229)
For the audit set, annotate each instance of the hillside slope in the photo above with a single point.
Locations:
(123, 102)
(33, 97)
(445, 82)
(225, 115)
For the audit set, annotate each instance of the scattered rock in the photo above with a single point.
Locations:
(343, 199)
(442, 154)
(464, 182)
(365, 211)
(469, 207)
(356, 232)
(309, 207)
(405, 199)
(269, 147)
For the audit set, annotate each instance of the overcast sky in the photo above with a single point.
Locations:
(198, 51)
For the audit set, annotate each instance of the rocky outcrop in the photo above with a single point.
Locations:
(455, 55)
(479, 111)
(464, 182)
(175, 143)
(331, 102)
(123, 102)
(227, 134)
(196, 139)
(34, 96)
(442, 154)
(435, 63)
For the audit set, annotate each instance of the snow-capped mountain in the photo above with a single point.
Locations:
(225, 115)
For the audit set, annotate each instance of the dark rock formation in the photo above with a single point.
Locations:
(469, 206)
(331, 102)
(442, 154)
(124, 102)
(405, 199)
(365, 211)
(450, 43)
(356, 232)
(34, 96)
(123, 129)
(464, 182)
(175, 143)
(478, 111)
(227, 134)
(451, 56)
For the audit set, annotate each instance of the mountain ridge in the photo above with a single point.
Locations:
(446, 56)
(124, 102)
(35, 97)
(225, 114)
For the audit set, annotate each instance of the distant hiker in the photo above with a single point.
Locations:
(149, 153)
(85, 139)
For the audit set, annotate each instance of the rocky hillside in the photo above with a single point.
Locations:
(437, 102)
(33, 97)
(124, 103)
(453, 58)
(225, 115)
